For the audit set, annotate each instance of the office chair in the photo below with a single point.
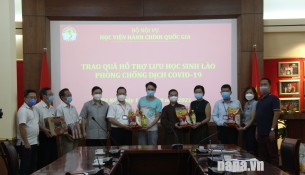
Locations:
(290, 155)
(3, 156)
(11, 157)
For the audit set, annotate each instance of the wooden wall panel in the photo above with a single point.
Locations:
(33, 7)
(36, 26)
(94, 8)
(34, 34)
(245, 70)
(37, 13)
(252, 32)
(250, 6)
(244, 73)
(48, 43)
(32, 69)
(295, 129)
(193, 8)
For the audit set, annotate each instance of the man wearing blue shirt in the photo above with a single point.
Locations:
(151, 107)
(226, 134)
(267, 114)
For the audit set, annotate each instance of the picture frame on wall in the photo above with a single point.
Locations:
(290, 104)
(289, 87)
(289, 69)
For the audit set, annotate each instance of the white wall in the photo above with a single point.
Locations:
(284, 45)
(8, 82)
(19, 47)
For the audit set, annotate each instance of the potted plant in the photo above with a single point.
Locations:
(282, 128)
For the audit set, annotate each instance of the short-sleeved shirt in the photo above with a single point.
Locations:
(250, 107)
(117, 111)
(265, 112)
(26, 115)
(199, 109)
(99, 112)
(68, 112)
(42, 110)
(221, 109)
(150, 110)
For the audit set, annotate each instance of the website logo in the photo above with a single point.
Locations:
(69, 34)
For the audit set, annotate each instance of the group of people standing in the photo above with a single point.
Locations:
(100, 121)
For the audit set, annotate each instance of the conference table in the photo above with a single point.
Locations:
(147, 160)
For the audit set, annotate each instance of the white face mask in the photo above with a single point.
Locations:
(97, 96)
(121, 97)
(249, 96)
(173, 99)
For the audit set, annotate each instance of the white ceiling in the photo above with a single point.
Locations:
(273, 9)
(284, 9)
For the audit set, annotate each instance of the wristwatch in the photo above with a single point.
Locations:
(272, 129)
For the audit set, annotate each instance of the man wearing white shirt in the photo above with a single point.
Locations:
(71, 116)
(47, 150)
(226, 134)
(27, 134)
(118, 117)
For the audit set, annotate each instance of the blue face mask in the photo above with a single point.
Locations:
(198, 96)
(69, 100)
(225, 95)
(32, 102)
(150, 93)
(50, 99)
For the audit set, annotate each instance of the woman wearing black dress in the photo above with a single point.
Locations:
(202, 110)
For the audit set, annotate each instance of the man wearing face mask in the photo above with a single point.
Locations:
(226, 134)
(267, 114)
(118, 117)
(202, 110)
(27, 134)
(170, 121)
(47, 151)
(95, 136)
(151, 107)
(69, 112)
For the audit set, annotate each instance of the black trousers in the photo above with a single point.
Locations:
(180, 136)
(250, 140)
(47, 150)
(199, 134)
(28, 159)
(227, 135)
(96, 142)
(120, 136)
(267, 150)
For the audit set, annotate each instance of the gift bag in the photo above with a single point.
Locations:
(183, 116)
(233, 117)
(75, 131)
(56, 125)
